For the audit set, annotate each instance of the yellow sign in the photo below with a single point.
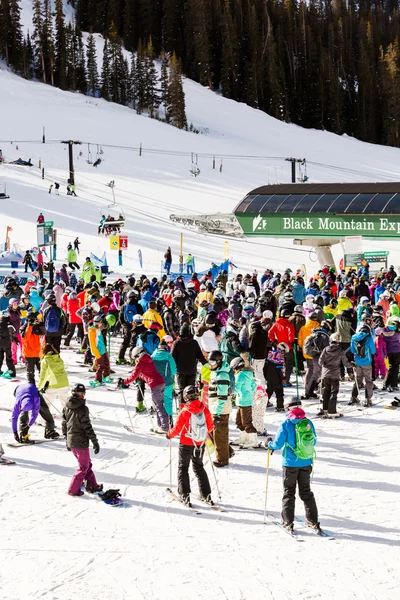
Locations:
(227, 250)
(114, 242)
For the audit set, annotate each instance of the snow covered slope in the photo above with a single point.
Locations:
(152, 186)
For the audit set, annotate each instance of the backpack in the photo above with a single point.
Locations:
(197, 427)
(317, 342)
(52, 321)
(129, 312)
(360, 347)
(305, 440)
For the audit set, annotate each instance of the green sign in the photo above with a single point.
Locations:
(319, 225)
(377, 254)
(353, 260)
(46, 224)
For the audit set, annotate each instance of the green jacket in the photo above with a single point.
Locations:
(219, 401)
(87, 271)
(72, 256)
(52, 369)
(245, 386)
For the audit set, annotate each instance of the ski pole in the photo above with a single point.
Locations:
(149, 416)
(297, 369)
(213, 470)
(266, 487)
(170, 463)
(127, 410)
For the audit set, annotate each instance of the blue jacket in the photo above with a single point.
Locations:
(299, 293)
(370, 348)
(378, 291)
(245, 387)
(35, 300)
(149, 341)
(286, 436)
(144, 301)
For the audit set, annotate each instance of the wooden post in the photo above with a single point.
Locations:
(181, 254)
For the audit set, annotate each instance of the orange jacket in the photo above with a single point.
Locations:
(31, 345)
(305, 332)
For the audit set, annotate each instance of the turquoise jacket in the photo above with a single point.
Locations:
(165, 365)
(245, 386)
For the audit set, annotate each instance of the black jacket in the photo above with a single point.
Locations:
(186, 352)
(259, 343)
(76, 424)
(7, 332)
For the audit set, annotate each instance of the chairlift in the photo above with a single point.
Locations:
(101, 150)
(113, 220)
(194, 170)
(3, 191)
(89, 158)
(303, 177)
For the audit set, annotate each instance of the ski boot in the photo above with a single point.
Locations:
(51, 434)
(279, 409)
(92, 489)
(108, 379)
(315, 526)
(242, 439)
(288, 526)
(140, 407)
(207, 500)
(95, 383)
(321, 413)
(353, 401)
(121, 361)
(9, 375)
(24, 439)
(185, 499)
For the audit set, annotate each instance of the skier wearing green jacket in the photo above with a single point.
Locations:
(52, 370)
(166, 366)
(72, 257)
(88, 270)
(245, 387)
(220, 405)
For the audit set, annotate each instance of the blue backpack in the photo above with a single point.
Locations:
(52, 322)
(129, 312)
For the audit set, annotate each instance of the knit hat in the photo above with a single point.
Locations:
(296, 413)
(184, 330)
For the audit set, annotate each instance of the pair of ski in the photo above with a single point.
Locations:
(294, 533)
(192, 508)
(6, 461)
(16, 444)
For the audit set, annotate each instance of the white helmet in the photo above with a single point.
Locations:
(137, 319)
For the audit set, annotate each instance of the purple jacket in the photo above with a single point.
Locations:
(392, 339)
(27, 400)
(15, 319)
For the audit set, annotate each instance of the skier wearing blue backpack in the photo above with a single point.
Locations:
(193, 425)
(128, 311)
(54, 321)
(297, 436)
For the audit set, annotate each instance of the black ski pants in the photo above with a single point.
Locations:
(72, 265)
(126, 340)
(392, 376)
(194, 455)
(289, 362)
(31, 363)
(71, 330)
(5, 353)
(44, 413)
(274, 379)
(182, 380)
(293, 476)
(330, 390)
(54, 339)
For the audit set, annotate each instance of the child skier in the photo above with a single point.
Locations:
(99, 351)
(193, 424)
(77, 428)
(53, 375)
(330, 360)
(380, 354)
(274, 372)
(31, 332)
(245, 387)
(297, 435)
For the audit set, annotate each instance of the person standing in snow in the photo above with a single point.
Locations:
(53, 375)
(77, 428)
(245, 387)
(168, 260)
(296, 471)
(40, 219)
(72, 257)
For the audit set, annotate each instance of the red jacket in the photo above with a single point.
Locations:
(282, 331)
(146, 370)
(105, 303)
(196, 284)
(72, 307)
(182, 424)
(64, 301)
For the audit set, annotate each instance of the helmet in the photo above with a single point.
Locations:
(335, 337)
(298, 309)
(110, 319)
(215, 358)
(132, 295)
(267, 314)
(137, 319)
(137, 352)
(248, 310)
(286, 313)
(283, 346)
(237, 363)
(190, 393)
(314, 315)
(288, 295)
(178, 294)
(72, 296)
(191, 285)
(294, 402)
(98, 319)
(78, 389)
(12, 300)
(31, 317)
(96, 307)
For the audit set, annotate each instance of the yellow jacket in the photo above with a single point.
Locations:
(206, 295)
(305, 332)
(152, 316)
(343, 304)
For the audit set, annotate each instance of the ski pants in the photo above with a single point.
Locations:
(84, 471)
(313, 374)
(126, 340)
(44, 413)
(7, 354)
(360, 374)
(300, 476)
(72, 265)
(289, 361)
(346, 347)
(31, 363)
(220, 438)
(71, 330)
(258, 366)
(194, 455)
(157, 397)
(330, 390)
(244, 419)
(168, 398)
(182, 380)
(52, 394)
(392, 376)
(300, 359)
(103, 367)
(274, 383)
(55, 340)
(141, 386)
(14, 348)
(380, 367)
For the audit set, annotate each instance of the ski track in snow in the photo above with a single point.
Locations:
(155, 548)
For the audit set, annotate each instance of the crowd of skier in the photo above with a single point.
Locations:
(202, 346)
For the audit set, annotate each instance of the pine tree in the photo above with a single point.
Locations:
(176, 96)
(140, 79)
(37, 38)
(11, 41)
(105, 73)
(152, 96)
(132, 91)
(81, 76)
(92, 71)
(118, 67)
(60, 48)
(390, 73)
(48, 41)
(164, 77)
(28, 58)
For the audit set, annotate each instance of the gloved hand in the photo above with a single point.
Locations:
(269, 439)
(96, 447)
(217, 419)
(121, 385)
(16, 437)
(68, 448)
(167, 436)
